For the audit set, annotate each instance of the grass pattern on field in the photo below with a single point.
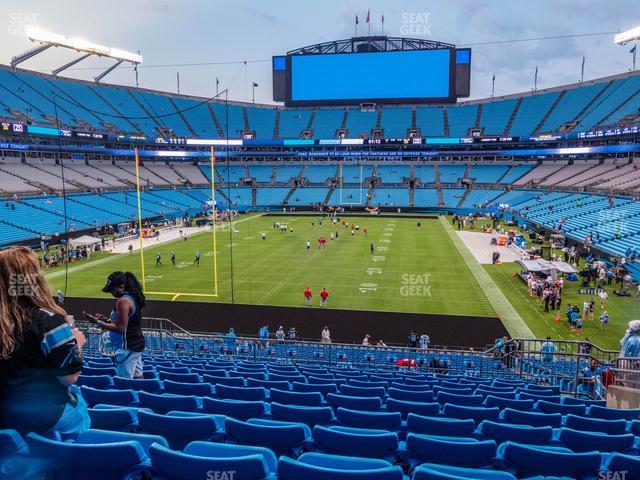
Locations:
(275, 271)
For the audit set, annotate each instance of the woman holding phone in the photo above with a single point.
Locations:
(125, 323)
(40, 352)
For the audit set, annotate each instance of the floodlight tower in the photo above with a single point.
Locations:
(47, 40)
(628, 36)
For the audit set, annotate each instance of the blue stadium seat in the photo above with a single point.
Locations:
(106, 370)
(123, 398)
(283, 438)
(589, 424)
(412, 396)
(532, 419)
(419, 408)
(354, 403)
(605, 413)
(441, 426)
(503, 432)
(478, 414)
(432, 471)
(318, 466)
(179, 377)
(200, 459)
(95, 381)
(583, 401)
(250, 394)
(79, 460)
(537, 396)
(551, 407)
(363, 391)
(371, 383)
(310, 416)
(178, 388)
(167, 402)
(95, 436)
(165, 369)
(310, 399)
(357, 442)
(580, 441)
(151, 386)
(371, 420)
(529, 460)
(106, 417)
(268, 384)
(315, 387)
(618, 462)
(181, 430)
(223, 380)
(239, 409)
(462, 399)
(410, 388)
(455, 451)
(502, 403)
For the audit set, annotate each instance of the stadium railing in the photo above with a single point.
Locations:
(521, 359)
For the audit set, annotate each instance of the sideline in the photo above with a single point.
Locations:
(511, 319)
(113, 256)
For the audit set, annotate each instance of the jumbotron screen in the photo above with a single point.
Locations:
(406, 76)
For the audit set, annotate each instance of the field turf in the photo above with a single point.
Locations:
(413, 269)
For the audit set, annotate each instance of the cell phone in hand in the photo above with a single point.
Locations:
(88, 316)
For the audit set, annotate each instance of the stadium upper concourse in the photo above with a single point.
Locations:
(228, 213)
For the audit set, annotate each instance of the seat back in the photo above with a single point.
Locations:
(311, 399)
(371, 420)
(178, 430)
(419, 408)
(167, 402)
(580, 441)
(112, 397)
(478, 414)
(441, 426)
(529, 460)
(355, 441)
(461, 452)
(589, 424)
(335, 467)
(412, 396)
(310, 416)
(239, 409)
(531, 418)
(354, 403)
(240, 393)
(503, 432)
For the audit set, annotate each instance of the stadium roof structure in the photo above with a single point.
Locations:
(47, 40)
(377, 43)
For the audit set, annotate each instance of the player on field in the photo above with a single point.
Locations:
(196, 261)
(372, 248)
(307, 295)
(158, 259)
(308, 245)
(264, 235)
(323, 297)
(173, 258)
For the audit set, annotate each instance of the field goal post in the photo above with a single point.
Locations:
(214, 256)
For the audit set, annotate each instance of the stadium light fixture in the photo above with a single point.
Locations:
(42, 36)
(628, 36)
(47, 40)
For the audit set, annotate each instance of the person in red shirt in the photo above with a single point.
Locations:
(307, 295)
(323, 297)
(365, 231)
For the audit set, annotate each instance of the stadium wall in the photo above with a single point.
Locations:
(347, 326)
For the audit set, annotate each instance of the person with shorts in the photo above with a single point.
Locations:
(125, 323)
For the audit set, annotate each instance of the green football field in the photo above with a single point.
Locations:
(412, 269)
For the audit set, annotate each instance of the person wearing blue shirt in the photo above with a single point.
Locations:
(630, 343)
(230, 341)
(591, 377)
(263, 333)
(548, 349)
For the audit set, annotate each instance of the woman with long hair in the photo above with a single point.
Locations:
(125, 323)
(40, 354)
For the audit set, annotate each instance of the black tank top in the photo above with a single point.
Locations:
(133, 336)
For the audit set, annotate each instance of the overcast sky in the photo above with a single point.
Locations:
(228, 33)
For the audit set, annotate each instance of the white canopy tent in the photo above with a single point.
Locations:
(84, 241)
